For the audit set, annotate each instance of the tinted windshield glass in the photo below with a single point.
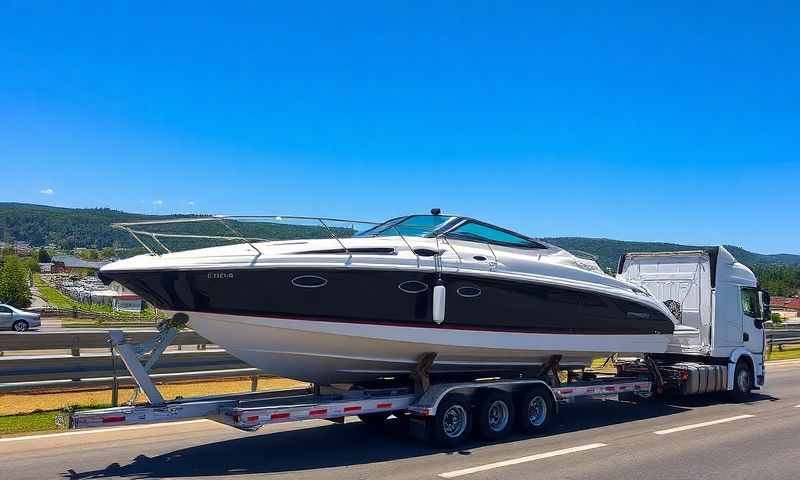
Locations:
(413, 226)
(478, 232)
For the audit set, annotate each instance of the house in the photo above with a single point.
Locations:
(787, 307)
(46, 267)
(71, 263)
(124, 299)
(20, 248)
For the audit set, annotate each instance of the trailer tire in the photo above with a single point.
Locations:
(453, 421)
(495, 414)
(743, 381)
(535, 410)
(373, 419)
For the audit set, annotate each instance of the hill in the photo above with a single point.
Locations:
(608, 251)
(69, 228)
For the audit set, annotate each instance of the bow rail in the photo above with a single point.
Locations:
(243, 228)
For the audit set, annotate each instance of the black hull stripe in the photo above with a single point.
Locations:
(376, 297)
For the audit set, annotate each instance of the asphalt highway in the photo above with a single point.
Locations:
(695, 437)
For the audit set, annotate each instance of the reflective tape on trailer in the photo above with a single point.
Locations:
(568, 393)
(255, 417)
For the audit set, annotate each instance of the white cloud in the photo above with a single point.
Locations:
(190, 202)
(47, 191)
(158, 202)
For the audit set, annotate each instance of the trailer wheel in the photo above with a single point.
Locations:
(495, 415)
(535, 410)
(373, 418)
(453, 421)
(742, 381)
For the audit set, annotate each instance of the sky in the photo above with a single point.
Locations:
(676, 123)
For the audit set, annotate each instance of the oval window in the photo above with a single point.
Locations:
(309, 281)
(469, 292)
(413, 286)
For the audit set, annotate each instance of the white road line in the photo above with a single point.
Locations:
(797, 406)
(516, 461)
(100, 430)
(703, 424)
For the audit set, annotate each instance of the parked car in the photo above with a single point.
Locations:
(18, 320)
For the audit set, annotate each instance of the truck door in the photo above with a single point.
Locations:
(752, 333)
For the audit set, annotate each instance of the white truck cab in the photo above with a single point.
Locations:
(718, 305)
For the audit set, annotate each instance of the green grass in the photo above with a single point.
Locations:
(788, 353)
(59, 300)
(29, 422)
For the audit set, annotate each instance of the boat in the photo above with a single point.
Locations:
(357, 305)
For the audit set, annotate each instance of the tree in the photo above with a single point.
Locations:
(14, 288)
(44, 257)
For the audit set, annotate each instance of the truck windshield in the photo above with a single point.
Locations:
(412, 226)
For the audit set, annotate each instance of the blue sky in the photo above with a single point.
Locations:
(678, 122)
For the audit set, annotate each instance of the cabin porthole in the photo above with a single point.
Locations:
(413, 286)
(469, 291)
(309, 281)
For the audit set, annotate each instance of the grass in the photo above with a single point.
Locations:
(788, 353)
(32, 422)
(59, 300)
(15, 403)
(37, 412)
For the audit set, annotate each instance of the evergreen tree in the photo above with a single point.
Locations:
(14, 288)
(44, 257)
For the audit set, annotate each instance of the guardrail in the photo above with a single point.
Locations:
(782, 336)
(79, 369)
(78, 313)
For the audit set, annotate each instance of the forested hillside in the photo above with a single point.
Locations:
(67, 228)
(90, 228)
(608, 251)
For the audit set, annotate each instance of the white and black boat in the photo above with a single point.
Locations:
(355, 308)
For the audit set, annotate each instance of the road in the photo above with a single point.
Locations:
(701, 437)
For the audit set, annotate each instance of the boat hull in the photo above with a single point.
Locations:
(330, 352)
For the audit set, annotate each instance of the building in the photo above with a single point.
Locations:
(71, 263)
(124, 299)
(20, 248)
(787, 307)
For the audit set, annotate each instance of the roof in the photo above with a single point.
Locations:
(71, 261)
(792, 303)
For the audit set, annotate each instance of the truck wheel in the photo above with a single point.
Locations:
(535, 410)
(20, 326)
(373, 418)
(742, 381)
(495, 415)
(453, 421)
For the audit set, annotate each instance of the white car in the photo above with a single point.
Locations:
(18, 320)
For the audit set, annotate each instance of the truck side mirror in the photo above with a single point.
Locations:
(763, 300)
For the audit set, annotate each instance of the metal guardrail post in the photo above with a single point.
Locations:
(254, 383)
(114, 380)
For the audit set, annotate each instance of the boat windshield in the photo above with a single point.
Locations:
(412, 226)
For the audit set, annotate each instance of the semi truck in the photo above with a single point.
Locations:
(717, 346)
